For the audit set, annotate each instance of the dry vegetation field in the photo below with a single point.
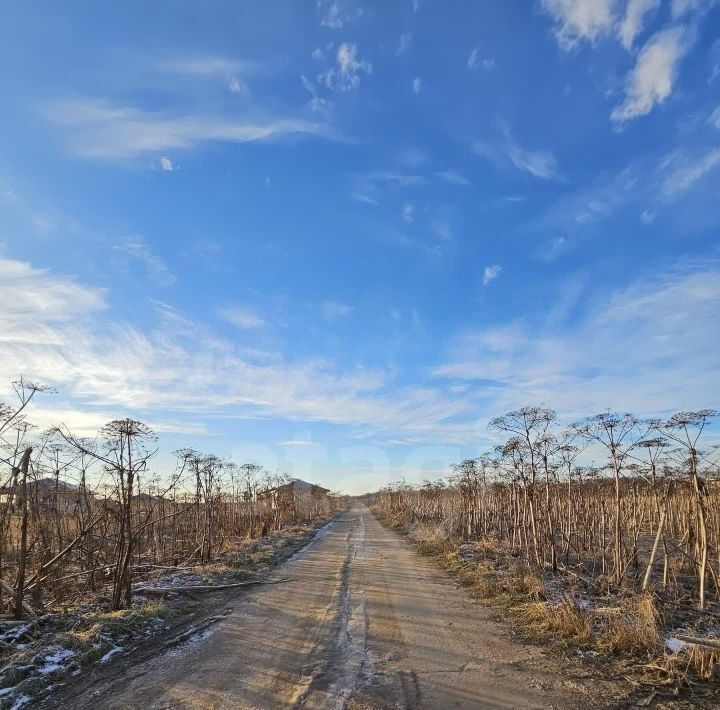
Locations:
(616, 559)
(86, 526)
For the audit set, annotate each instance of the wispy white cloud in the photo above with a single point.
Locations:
(665, 327)
(553, 248)
(317, 103)
(408, 212)
(137, 249)
(50, 333)
(475, 61)
(714, 118)
(580, 211)
(647, 217)
(101, 129)
(371, 188)
(236, 86)
(400, 179)
(653, 77)
(404, 43)
(33, 295)
(454, 177)
(332, 310)
(417, 85)
(363, 197)
(205, 66)
(345, 76)
(241, 317)
(231, 71)
(578, 20)
(490, 273)
(683, 172)
(167, 164)
(632, 23)
(539, 163)
(335, 14)
(681, 8)
(297, 442)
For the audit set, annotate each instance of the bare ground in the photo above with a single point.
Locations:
(363, 622)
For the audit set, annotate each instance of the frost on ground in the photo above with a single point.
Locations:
(55, 660)
(192, 641)
(110, 654)
(673, 645)
(20, 702)
(59, 646)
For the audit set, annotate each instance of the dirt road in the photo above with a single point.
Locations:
(363, 623)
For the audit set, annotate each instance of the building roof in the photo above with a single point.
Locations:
(48, 485)
(297, 484)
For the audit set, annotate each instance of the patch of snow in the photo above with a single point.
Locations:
(584, 604)
(20, 702)
(14, 633)
(6, 691)
(173, 580)
(674, 645)
(192, 641)
(110, 654)
(53, 662)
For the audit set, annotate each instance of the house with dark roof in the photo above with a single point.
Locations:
(291, 491)
(49, 493)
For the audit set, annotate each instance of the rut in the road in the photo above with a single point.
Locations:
(343, 657)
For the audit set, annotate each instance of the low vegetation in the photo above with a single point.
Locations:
(617, 559)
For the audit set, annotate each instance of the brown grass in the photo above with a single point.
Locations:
(566, 620)
(432, 538)
(703, 662)
(634, 631)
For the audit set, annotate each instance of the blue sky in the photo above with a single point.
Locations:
(337, 237)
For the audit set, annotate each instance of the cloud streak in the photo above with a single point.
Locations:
(664, 327)
(243, 318)
(651, 81)
(136, 249)
(632, 24)
(48, 333)
(100, 129)
(541, 164)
